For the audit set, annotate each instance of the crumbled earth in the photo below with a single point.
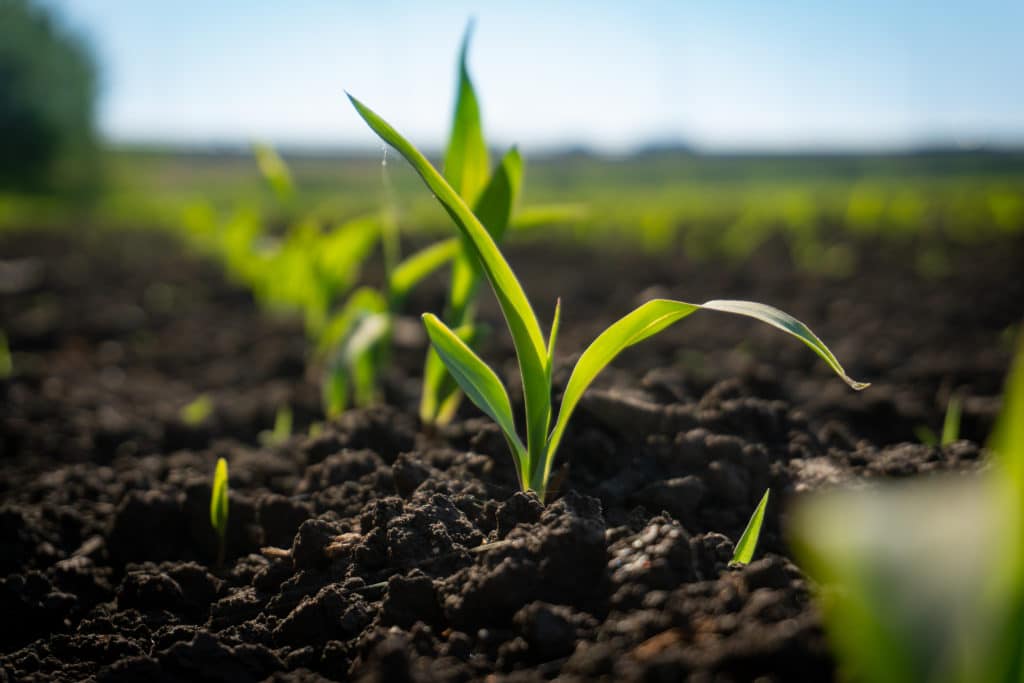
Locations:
(371, 549)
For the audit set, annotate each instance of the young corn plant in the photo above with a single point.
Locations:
(354, 346)
(950, 425)
(534, 458)
(219, 507)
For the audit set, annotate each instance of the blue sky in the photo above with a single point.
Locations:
(720, 75)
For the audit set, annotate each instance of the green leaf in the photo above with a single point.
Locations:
(786, 323)
(495, 205)
(1007, 438)
(553, 336)
(339, 254)
(926, 436)
(653, 317)
(219, 498)
(493, 209)
(441, 396)
(902, 603)
(346, 347)
(334, 391)
(283, 424)
(361, 302)
(648, 319)
(477, 380)
(951, 423)
(358, 361)
(275, 171)
(745, 547)
(522, 321)
(6, 363)
(539, 215)
(416, 267)
(466, 163)
(197, 411)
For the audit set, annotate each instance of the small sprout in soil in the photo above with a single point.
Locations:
(747, 544)
(219, 506)
(950, 425)
(534, 459)
(6, 364)
(282, 428)
(197, 411)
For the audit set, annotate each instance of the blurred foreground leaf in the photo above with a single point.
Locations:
(924, 581)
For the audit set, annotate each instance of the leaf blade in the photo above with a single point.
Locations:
(951, 423)
(747, 544)
(476, 379)
(783, 321)
(653, 317)
(275, 171)
(416, 267)
(466, 160)
(646, 320)
(219, 498)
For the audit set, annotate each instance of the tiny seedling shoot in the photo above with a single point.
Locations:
(219, 506)
(534, 459)
(747, 544)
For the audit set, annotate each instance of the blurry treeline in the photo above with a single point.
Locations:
(48, 82)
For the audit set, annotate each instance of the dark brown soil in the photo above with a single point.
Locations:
(376, 551)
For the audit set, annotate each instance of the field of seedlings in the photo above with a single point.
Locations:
(396, 418)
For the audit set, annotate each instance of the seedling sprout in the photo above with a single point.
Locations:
(533, 460)
(747, 544)
(219, 506)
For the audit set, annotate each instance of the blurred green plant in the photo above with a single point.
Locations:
(6, 360)
(48, 139)
(282, 431)
(924, 581)
(197, 411)
(535, 355)
(950, 425)
(219, 507)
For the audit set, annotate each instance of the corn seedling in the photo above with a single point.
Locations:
(924, 581)
(219, 506)
(533, 460)
(950, 425)
(747, 544)
(197, 411)
(282, 430)
(275, 171)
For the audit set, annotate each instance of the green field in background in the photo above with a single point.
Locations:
(709, 206)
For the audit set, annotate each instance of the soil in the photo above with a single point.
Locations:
(375, 550)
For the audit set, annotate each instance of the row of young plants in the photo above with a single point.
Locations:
(316, 272)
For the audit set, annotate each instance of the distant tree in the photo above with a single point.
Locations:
(48, 136)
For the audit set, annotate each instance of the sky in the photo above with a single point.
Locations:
(610, 76)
